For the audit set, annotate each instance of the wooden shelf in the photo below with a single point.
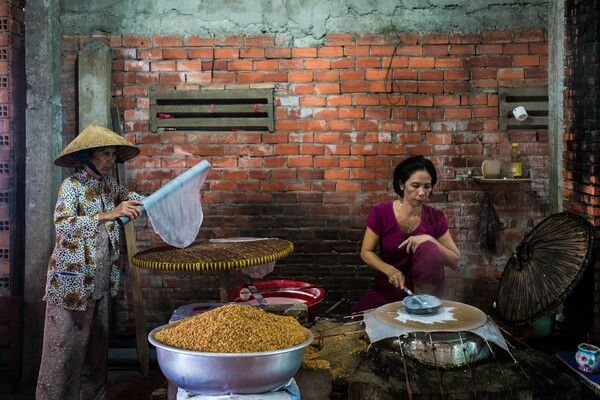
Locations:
(481, 179)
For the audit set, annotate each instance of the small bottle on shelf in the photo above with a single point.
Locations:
(515, 159)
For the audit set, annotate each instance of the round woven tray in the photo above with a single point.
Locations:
(214, 255)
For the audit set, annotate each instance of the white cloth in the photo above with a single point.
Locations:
(175, 210)
(289, 392)
(378, 330)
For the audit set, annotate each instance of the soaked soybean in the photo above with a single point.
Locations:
(234, 328)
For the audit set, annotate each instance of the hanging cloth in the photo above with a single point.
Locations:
(175, 210)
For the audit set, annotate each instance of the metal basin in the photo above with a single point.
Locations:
(443, 349)
(226, 373)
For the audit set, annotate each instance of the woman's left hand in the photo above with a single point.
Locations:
(413, 242)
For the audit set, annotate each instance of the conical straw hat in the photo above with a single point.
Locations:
(95, 136)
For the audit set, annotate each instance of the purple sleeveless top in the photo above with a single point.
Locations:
(382, 221)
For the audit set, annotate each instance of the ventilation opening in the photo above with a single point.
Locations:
(535, 101)
(227, 111)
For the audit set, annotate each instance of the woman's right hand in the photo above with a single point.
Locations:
(127, 208)
(396, 278)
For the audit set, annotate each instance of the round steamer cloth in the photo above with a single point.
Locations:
(466, 318)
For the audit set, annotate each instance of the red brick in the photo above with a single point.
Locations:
(367, 100)
(226, 53)
(461, 113)
(137, 41)
(330, 51)
(498, 36)
(340, 39)
(234, 41)
(389, 50)
(486, 49)
(146, 78)
(344, 100)
(300, 76)
(266, 65)
(531, 35)
(200, 53)
(304, 52)
(462, 49)
(198, 77)
(196, 41)
(327, 88)
(245, 65)
(353, 87)
(421, 62)
(339, 125)
(287, 65)
(448, 62)
(368, 63)
(511, 73)
(253, 52)
(274, 77)
(259, 41)
(526, 61)
(430, 87)
(167, 41)
(276, 52)
(174, 53)
(342, 63)
(317, 64)
(250, 77)
(436, 50)
(186, 65)
(323, 76)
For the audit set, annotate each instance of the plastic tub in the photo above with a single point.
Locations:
(291, 294)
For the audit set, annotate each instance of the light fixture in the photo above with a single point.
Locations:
(520, 113)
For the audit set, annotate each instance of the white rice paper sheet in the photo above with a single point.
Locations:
(378, 330)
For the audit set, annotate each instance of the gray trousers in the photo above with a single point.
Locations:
(75, 353)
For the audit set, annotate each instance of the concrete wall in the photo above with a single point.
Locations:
(306, 22)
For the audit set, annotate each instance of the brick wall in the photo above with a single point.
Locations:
(12, 144)
(346, 114)
(581, 142)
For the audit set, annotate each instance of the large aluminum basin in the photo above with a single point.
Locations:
(227, 373)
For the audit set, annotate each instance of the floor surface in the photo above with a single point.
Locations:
(125, 379)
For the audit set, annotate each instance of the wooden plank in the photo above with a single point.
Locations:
(136, 292)
(212, 109)
(209, 95)
(212, 123)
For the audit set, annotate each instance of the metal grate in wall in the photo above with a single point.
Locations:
(535, 101)
(227, 110)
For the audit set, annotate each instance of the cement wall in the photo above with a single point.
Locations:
(305, 21)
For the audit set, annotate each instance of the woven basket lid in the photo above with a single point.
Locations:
(545, 267)
(95, 136)
(215, 256)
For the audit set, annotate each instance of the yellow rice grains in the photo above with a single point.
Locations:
(234, 328)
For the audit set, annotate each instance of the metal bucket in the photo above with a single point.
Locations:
(443, 349)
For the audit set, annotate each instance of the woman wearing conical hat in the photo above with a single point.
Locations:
(83, 271)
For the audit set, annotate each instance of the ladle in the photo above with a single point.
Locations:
(421, 304)
(417, 298)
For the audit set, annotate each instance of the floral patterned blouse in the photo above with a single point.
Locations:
(72, 266)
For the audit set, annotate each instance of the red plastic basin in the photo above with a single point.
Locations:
(311, 296)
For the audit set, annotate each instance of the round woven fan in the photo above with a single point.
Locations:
(545, 267)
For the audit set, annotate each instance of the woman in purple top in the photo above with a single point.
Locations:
(414, 242)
